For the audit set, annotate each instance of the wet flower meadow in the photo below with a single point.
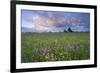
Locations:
(44, 47)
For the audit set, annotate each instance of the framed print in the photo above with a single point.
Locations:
(52, 36)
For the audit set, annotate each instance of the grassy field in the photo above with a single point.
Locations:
(40, 47)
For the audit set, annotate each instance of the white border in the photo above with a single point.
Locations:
(20, 65)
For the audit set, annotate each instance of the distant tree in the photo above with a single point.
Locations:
(70, 30)
(65, 30)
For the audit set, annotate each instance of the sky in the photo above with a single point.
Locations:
(54, 21)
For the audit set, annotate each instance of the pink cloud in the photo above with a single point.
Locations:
(47, 22)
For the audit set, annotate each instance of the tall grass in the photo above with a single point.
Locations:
(40, 47)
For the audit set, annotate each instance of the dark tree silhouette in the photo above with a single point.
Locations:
(70, 30)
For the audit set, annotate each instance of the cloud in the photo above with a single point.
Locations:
(44, 21)
(46, 24)
(80, 28)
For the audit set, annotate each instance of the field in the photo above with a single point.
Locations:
(42, 47)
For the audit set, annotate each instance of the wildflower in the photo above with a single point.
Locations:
(44, 51)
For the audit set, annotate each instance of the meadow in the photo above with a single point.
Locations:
(43, 47)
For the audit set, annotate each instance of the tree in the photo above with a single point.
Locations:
(70, 30)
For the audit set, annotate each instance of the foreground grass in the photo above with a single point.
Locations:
(54, 47)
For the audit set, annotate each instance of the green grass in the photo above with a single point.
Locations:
(41, 47)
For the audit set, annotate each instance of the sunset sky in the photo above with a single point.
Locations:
(50, 21)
